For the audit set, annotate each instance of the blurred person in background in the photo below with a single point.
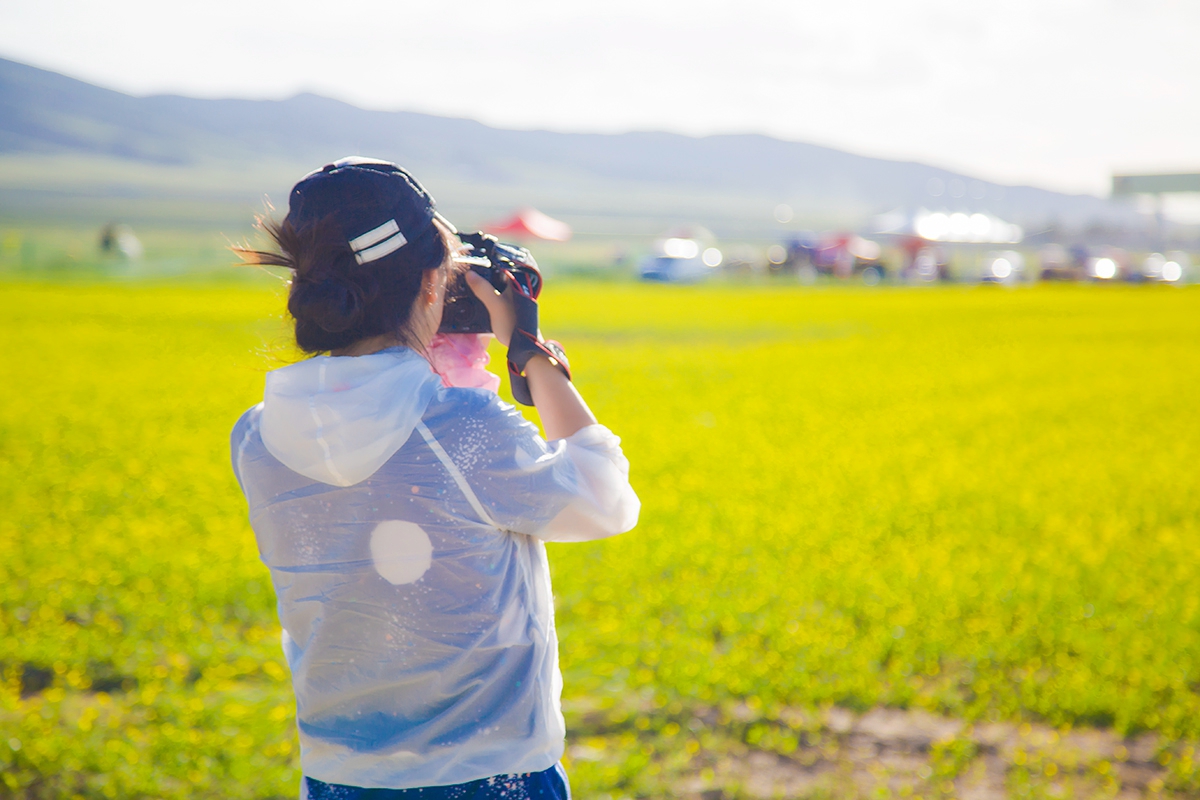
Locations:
(403, 518)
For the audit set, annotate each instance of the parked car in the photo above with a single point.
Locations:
(1171, 268)
(683, 255)
(1002, 266)
(840, 255)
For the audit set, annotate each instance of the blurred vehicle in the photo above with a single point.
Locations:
(794, 256)
(843, 255)
(744, 260)
(840, 255)
(683, 255)
(1059, 264)
(1171, 268)
(1002, 266)
(926, 264)
(1109, 264)
(1182, 268)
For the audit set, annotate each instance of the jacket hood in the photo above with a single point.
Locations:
(338, 419)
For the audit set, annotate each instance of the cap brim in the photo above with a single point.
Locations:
(438, 216)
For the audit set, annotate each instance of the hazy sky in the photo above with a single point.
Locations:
(1056, 93)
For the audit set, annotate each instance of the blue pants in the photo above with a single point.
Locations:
(550, 784)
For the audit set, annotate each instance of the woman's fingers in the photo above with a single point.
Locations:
(499, 306)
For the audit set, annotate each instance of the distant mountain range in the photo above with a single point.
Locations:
(71, 149)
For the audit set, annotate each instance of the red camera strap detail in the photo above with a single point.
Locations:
(526, 280)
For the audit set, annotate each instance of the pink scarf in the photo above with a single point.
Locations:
(461, 359)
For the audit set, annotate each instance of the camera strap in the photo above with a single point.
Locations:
(525, 344)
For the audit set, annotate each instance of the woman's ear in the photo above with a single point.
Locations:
(431, 282)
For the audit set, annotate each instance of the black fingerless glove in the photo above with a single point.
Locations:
(525, 344)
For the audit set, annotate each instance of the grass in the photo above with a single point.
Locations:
(70, 252)
(977, 502)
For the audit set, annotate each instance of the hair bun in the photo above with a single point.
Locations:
(332, 305)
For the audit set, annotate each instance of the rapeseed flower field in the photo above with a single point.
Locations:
(979, 503)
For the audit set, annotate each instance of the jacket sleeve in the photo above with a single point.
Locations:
(604, 503)
(570, 490)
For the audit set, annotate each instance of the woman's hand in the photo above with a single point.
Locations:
(559, 404)
(499, 306)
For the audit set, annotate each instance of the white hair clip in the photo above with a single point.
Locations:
(378, 242)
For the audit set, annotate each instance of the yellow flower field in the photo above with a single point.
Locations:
(983, 503)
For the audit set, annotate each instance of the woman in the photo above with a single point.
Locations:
(403, 520)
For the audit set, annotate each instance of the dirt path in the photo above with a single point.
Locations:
(711, 754)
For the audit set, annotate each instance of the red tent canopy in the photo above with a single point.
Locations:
(531, 223)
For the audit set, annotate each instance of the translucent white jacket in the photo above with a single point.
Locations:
(402, 522)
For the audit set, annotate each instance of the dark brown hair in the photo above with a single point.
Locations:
(334, 300)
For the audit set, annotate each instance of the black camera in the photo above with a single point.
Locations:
(503, 265)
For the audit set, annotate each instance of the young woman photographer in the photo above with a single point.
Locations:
(403, 519)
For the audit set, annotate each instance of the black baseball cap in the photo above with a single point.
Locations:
(379, 207)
